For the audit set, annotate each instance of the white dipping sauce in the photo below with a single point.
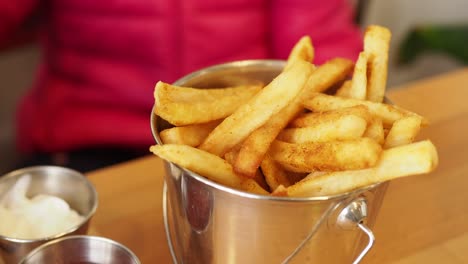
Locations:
(39, 217)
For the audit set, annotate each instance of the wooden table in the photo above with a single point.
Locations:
(424, 219)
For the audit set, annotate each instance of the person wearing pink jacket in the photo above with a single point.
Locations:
(93, 92)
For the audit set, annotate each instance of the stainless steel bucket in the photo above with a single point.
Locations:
(210, 223)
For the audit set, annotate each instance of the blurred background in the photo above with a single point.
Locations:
(17, 69)
(430, 35)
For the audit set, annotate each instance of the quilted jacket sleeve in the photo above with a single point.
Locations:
(328, 23)
(12, 14)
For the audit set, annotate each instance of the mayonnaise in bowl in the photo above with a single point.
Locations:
(37, 217)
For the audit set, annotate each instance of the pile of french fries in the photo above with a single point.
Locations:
(293, 137)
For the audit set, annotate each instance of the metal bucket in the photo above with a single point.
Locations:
(210, 223)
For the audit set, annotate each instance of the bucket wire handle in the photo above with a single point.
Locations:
(311, 234)
(369, 245)
(353, 216)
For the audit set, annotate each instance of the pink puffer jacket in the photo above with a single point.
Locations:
(101, 59)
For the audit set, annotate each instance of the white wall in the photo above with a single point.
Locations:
(402, 15)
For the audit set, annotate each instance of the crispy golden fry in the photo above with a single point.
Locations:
(231, 156)
(403, 131)
(344, 127)
(179, 94)
(302, 50)
(377, 45)
(280, 191)
(388, 113)
(206, 164)
(375, 130)
(358, 88)
(274, 174)
(316, 118)
(314, 174)
(199, 161)
(345, 89)
(191, 135)
(256, 112)
(328, 74)
(412, 159)
(252, 186)
(256, 144)
(326, 156)
(185, 106)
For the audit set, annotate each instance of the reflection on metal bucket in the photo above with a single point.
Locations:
(210, 223)
(197, 202)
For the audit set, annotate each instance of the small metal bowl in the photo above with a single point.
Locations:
(69, 185)
(81, 249)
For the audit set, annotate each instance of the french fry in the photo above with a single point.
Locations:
(377, 45)
(326, 156)
(280, 191)
(403, 131)
(345, 89)
(256, 112)
(328, 74)
(316, 118)
(171, 93)
(206, 164)
(231, 156)
(191, 135)
(302, 50)
(252, 186)
(199, 161)
(344, 127)
(315, 174)
(358, 88)
(256, 144)
(375, 130)
(274, 174)
(182, 106)
(388, 113)
(405, 160)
